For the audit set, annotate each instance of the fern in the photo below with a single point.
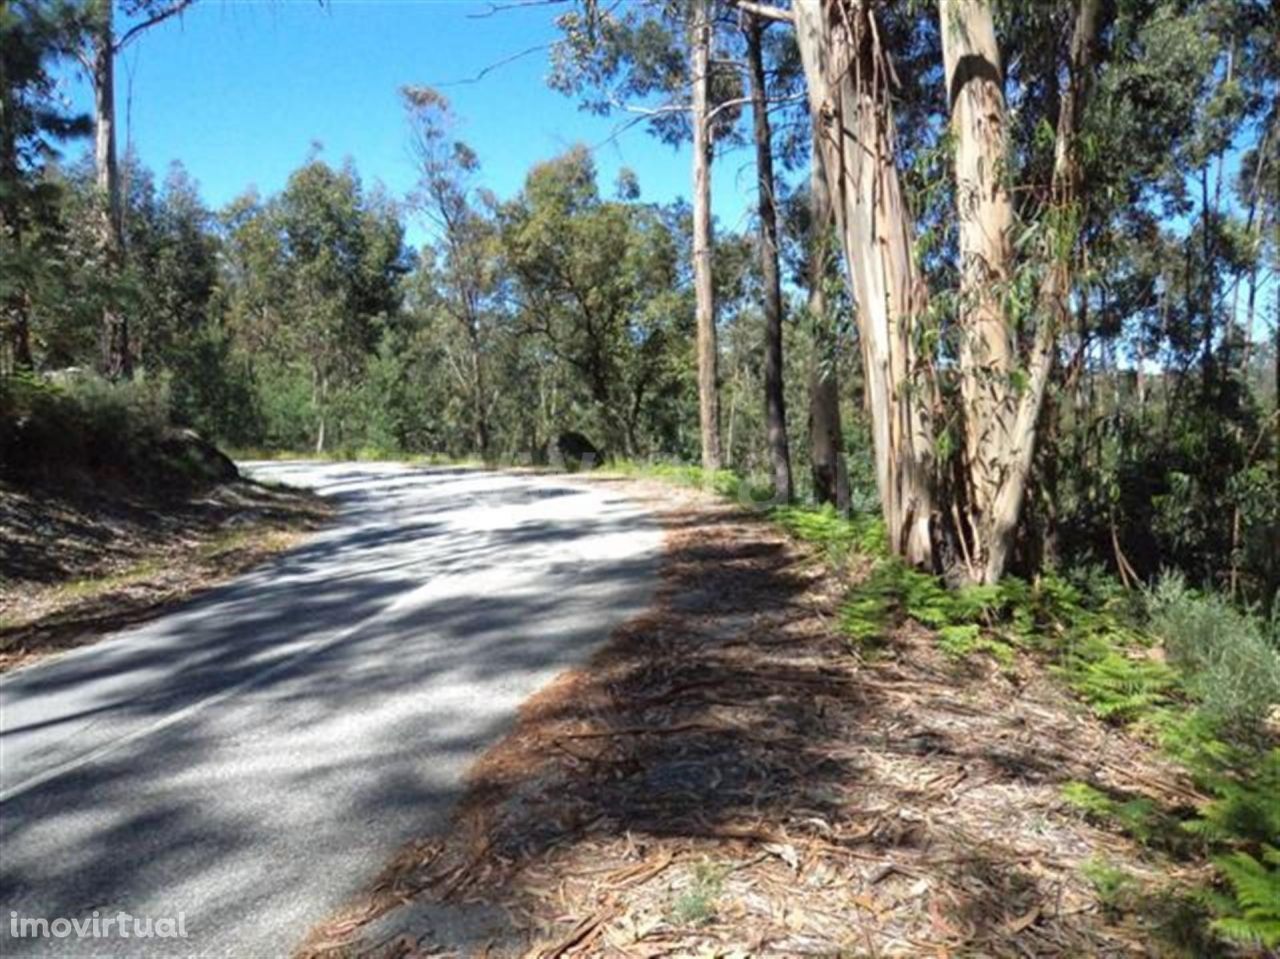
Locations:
(1246, 807)
(1253, 914)
(1138, 817)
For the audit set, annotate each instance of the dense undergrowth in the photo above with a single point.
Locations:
(1186, 671)
(81, 428)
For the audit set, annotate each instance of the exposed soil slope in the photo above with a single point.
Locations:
(76, 563)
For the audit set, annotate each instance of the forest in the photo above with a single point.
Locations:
(1007, 306)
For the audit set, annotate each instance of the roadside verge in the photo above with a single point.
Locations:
(731, 775)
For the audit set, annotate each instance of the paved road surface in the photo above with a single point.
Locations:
(253, 758)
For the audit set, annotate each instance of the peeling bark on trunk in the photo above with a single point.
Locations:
(848, 95)
(116, 358)
(708, 398)
(1006, 506)
(826, 441)
(975, 92)
(775, 411)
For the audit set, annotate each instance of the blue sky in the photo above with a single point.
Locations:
(238, 90)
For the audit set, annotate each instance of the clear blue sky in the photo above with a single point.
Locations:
(238, 90)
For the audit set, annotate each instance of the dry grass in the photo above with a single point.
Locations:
(728, 778)
(75, 565)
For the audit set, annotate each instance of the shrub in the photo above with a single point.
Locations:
(80, 426)
(1227, 657)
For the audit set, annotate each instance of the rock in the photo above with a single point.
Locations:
(197, 456)
(574, 451)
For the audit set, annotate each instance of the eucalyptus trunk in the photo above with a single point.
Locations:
(775, 410)
(826, 439)
(987, 359)
(116, 359)
(999, 477)
(847, 76)
(705, 309)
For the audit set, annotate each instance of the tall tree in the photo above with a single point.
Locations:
(1006, 450)
(656, 60)
(708, 358)
(774, 396)
(848, 77)
(597, 281)
(826, 436)
(105, 44)
(32, 37)
(985, 213)
(466, 244)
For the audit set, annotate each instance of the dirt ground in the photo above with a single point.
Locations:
(77, 563)
(729, 778)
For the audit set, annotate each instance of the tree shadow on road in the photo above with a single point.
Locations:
(264, 741)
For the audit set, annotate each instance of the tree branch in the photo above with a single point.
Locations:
(740, 101)
(764, 11)
(514, 5)
(172, 10)
(511, 58)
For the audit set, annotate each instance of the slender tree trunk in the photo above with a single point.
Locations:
(480, 421)
(1006, 507)
(826, 442)
(847, 76)
(116, 359)
(971, 61)
(321, 401)
(708, 398)
(775, 410)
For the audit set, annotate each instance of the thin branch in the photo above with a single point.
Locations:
(618, 131)
(495, 8)
(740, 101)
(765, 11)
(172, 10)
(663, 110)
(512, 58)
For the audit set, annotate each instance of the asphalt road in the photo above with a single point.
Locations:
(252, 759)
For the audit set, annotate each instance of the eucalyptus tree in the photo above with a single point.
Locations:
(827, 463)
(848, 80)
(597, 282)
(105, 43)
(312, 276)
(766, 190)
(465, 253)
(659, 61)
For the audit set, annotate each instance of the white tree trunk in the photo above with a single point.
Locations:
(826, 440)
(848, 97)
(986, 351)
(1020, 442)
(708, 397)
(116, 356)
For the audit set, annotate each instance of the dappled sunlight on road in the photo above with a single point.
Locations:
(251, 758)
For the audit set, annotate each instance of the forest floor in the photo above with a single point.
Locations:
(728, 776)
(77, 562)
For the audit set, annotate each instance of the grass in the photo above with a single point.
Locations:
(1118, 891)
(696, 905)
